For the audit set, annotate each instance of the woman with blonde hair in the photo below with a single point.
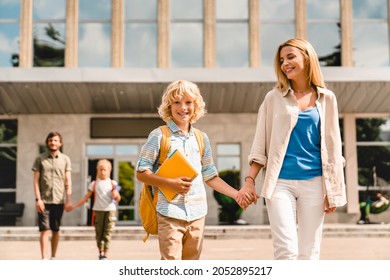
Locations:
(297, 150)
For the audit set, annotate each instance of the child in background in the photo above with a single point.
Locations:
(181, 221)
(106, 197)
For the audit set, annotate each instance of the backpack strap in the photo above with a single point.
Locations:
(165, 143)
(200, 139)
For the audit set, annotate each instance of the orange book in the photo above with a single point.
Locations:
(176, 165)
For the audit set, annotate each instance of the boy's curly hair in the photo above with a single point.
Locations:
(177, 90)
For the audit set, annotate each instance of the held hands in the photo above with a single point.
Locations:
(247, 195)
(69, 207)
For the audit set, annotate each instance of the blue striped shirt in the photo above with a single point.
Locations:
(193, 205)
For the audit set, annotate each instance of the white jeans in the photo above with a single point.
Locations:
(302, 202)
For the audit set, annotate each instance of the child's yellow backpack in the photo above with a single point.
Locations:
(148, 201)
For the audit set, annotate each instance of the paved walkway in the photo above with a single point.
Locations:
(340, 248)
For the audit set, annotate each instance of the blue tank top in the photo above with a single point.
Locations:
(303, 156)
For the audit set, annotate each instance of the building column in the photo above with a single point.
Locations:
(388, 23)
(351, 166)
(72, 33)
(346, 33)
(25, 43)
(254, 34)
(163, 44)
(300, 19)
(209, 37)
(117, 41)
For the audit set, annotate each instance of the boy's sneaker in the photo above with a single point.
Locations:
(102, 257)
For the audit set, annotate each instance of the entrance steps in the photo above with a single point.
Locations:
(211, 232)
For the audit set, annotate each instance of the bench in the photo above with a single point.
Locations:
(9, 212)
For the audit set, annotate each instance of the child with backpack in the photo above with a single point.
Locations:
(106, 197)
(181, 221)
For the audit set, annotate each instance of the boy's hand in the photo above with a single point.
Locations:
(181, 185)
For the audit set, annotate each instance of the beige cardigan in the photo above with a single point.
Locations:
(278, 115)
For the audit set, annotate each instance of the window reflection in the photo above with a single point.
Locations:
(371, 45)
(49, 33)
(272, 35)
(49, 9)
(94, 33)
(276, 26)
(232, 37)
(125, 150)
(370, 33)
(232, 45)
(8, 158)
(9, 51)
(94, 10)
(180, 9)
(368, 9)
(232, 9)
(326, 40)
(316, 11)
(228, 157)
(187, 45)
(186, 33)
(141, 9)
(323, 29)
(373, 150)
(141, 33)
(100, 150)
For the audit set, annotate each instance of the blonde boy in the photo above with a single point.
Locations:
(181, 221)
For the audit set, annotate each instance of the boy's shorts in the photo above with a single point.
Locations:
(51, 217)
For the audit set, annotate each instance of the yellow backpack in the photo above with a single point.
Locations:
(148, 201)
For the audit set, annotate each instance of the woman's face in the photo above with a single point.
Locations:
(292, 63)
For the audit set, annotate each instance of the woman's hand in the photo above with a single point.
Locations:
(329, 210)
(247, 195)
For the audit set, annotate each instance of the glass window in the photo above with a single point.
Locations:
(232, 30)
(186, 33)
(124, 150)
(229, 169)
(373, 150)
(49, 33)
(8, 157)
(323, 28)
(95, 33)
(228, 157)
(141, 33)
(100, 150)
(276, 27)
(95, 10)
(370, 33)
(9, 33)
(9, 48)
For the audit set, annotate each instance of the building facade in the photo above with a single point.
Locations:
(95, 70)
